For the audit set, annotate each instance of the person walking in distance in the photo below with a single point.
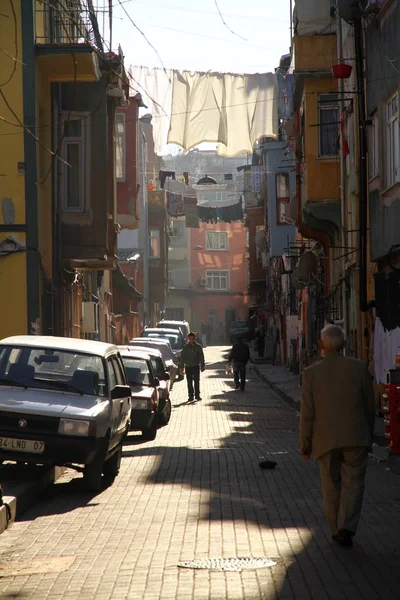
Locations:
(336, 426)
(192, 361)
(240, 356)
(204, 332)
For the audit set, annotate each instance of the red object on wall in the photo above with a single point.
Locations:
(392, 417)
(341, 71)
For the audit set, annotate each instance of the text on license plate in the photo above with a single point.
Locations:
(21, 445)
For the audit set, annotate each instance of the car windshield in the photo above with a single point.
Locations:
(48, 368)
(137, 371)
(174, 340)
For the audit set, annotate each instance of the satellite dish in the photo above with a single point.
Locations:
(307, 266)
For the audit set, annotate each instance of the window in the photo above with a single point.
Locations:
(216, 240)
(75, 151)
(154, 243)
(228, 177)
(112, 377)
(373, 148)
(260, 242)
(328, 121)
(120, 145)
(282, 198)
(217, 280)
(211, 197)
(392, 141)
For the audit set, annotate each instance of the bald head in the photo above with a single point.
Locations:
(332, 339)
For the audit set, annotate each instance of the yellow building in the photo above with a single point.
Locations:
(316, 205)
(57, 118)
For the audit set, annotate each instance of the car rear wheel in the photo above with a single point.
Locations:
(165, 413)
(149, 434)
(112, 465)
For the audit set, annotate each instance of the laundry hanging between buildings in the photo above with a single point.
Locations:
(234, 110)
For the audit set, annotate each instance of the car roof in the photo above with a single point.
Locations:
(60, 343)
(139, 349)
(148, 340)
(161, 330)
(132, 352)
(174, 322)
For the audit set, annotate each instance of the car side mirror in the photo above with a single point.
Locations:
(120, 391)
(156, 382)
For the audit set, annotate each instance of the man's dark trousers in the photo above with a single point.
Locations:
(239, 372)
(193, 376)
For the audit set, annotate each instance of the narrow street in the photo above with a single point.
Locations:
(197, 492)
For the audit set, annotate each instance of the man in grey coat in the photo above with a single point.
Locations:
(336, 427)
(192, 360)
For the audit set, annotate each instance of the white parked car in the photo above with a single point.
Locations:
(63, 401)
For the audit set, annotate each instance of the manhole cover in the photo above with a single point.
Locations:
(36, 566)
(227, 564)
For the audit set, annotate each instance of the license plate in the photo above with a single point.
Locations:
(32, 446)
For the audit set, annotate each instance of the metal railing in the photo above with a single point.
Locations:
(70, 22)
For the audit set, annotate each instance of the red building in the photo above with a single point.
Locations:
(219, 274)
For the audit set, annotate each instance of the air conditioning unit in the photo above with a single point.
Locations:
(90, 317)
(203, 282)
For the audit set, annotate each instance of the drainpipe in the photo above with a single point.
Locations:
(342, 174)
(363, 206)
(145, 231)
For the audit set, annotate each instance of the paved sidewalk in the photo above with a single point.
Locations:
(287, 385)
(196, 492)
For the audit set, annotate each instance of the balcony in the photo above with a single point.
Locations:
(68, 41)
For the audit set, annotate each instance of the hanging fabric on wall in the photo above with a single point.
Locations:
(223, 214)
(191, 212)
(156, 86)
(175, 206)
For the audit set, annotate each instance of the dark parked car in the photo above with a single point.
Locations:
(174, 337)
(144, 393)
(160, 371)
(182, 326)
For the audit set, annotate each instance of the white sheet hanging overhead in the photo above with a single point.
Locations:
(155, 85)
(234, 110)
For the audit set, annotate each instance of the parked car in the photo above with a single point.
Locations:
(174, 337)
(63, 401)
(239, 329)
(182, 326)
(160, 372)
(165, 348)
(144, 389)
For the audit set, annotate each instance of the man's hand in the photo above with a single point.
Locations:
(182, 371)
(304, 455)
(202, 369)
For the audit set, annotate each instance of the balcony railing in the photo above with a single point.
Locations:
(70, 22)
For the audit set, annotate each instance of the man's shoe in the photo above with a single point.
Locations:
(198, 399)
(191, 400)
(237, 387)
(343, 538)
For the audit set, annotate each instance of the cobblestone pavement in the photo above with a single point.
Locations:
(197, 492)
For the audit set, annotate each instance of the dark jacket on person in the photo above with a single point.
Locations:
(192, 356)
(240, 353)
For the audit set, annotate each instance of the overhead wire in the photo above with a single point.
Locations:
(225, 23)
(143, 34)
